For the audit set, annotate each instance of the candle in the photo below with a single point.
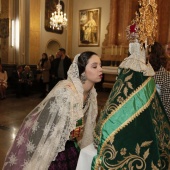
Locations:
(120, 50)
(116, 50)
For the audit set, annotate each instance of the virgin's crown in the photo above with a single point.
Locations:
(144, 26)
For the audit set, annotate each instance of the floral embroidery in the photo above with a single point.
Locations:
(135, 160)
(123, 151)
(20, 140)
(30, 147)
(12, 159)
(35, 127)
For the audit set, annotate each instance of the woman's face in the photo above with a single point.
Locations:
(93, 70)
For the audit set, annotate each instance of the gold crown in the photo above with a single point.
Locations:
(145, 23)
(132, 32)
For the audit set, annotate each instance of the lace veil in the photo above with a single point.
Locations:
(46, 129)
(137, 60)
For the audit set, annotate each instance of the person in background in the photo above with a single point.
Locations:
(160, 63)
(165, 92)
(61, 65)
(28, 78)
(158, 60)
(44, 67)
(52, 134)
(51, 58)
(167, 49)
(17, 81)
(3, 82)
(52, 79)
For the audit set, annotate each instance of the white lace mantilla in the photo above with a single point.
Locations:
(137, 60)
(46, 129)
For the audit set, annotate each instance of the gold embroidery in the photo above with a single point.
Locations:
(147, 21)
(161, 129)
(110, 106)
(133, 160)
(111, 137)
(127, 99)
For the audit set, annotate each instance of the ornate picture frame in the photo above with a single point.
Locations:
(89, 27)
(50, 6)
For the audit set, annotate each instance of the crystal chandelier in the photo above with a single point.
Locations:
(58, 19)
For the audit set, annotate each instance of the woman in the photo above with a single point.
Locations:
(160, 64)
(3, 82)
(158, 60)
(65, 117)
(44, 67)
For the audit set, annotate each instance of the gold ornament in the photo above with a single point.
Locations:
(144, 26)
(147, 22)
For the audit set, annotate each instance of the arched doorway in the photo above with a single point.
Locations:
(52, 47)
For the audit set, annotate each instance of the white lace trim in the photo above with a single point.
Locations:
(137, 60)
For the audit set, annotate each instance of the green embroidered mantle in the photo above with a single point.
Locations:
(133, 131)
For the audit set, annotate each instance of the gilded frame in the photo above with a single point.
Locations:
(89, 27)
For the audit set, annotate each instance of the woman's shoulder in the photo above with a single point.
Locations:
(65, 87)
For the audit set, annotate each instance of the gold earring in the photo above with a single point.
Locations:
(83, 78)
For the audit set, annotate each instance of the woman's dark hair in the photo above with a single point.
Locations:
(157, 56)
(83, 60)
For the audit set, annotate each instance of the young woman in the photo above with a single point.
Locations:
(160, 63)
(51, 135)
(3, 82)
(44, 67)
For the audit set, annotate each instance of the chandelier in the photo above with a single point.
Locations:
(58, 18)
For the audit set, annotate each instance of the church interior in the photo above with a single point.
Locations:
(26, 33)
